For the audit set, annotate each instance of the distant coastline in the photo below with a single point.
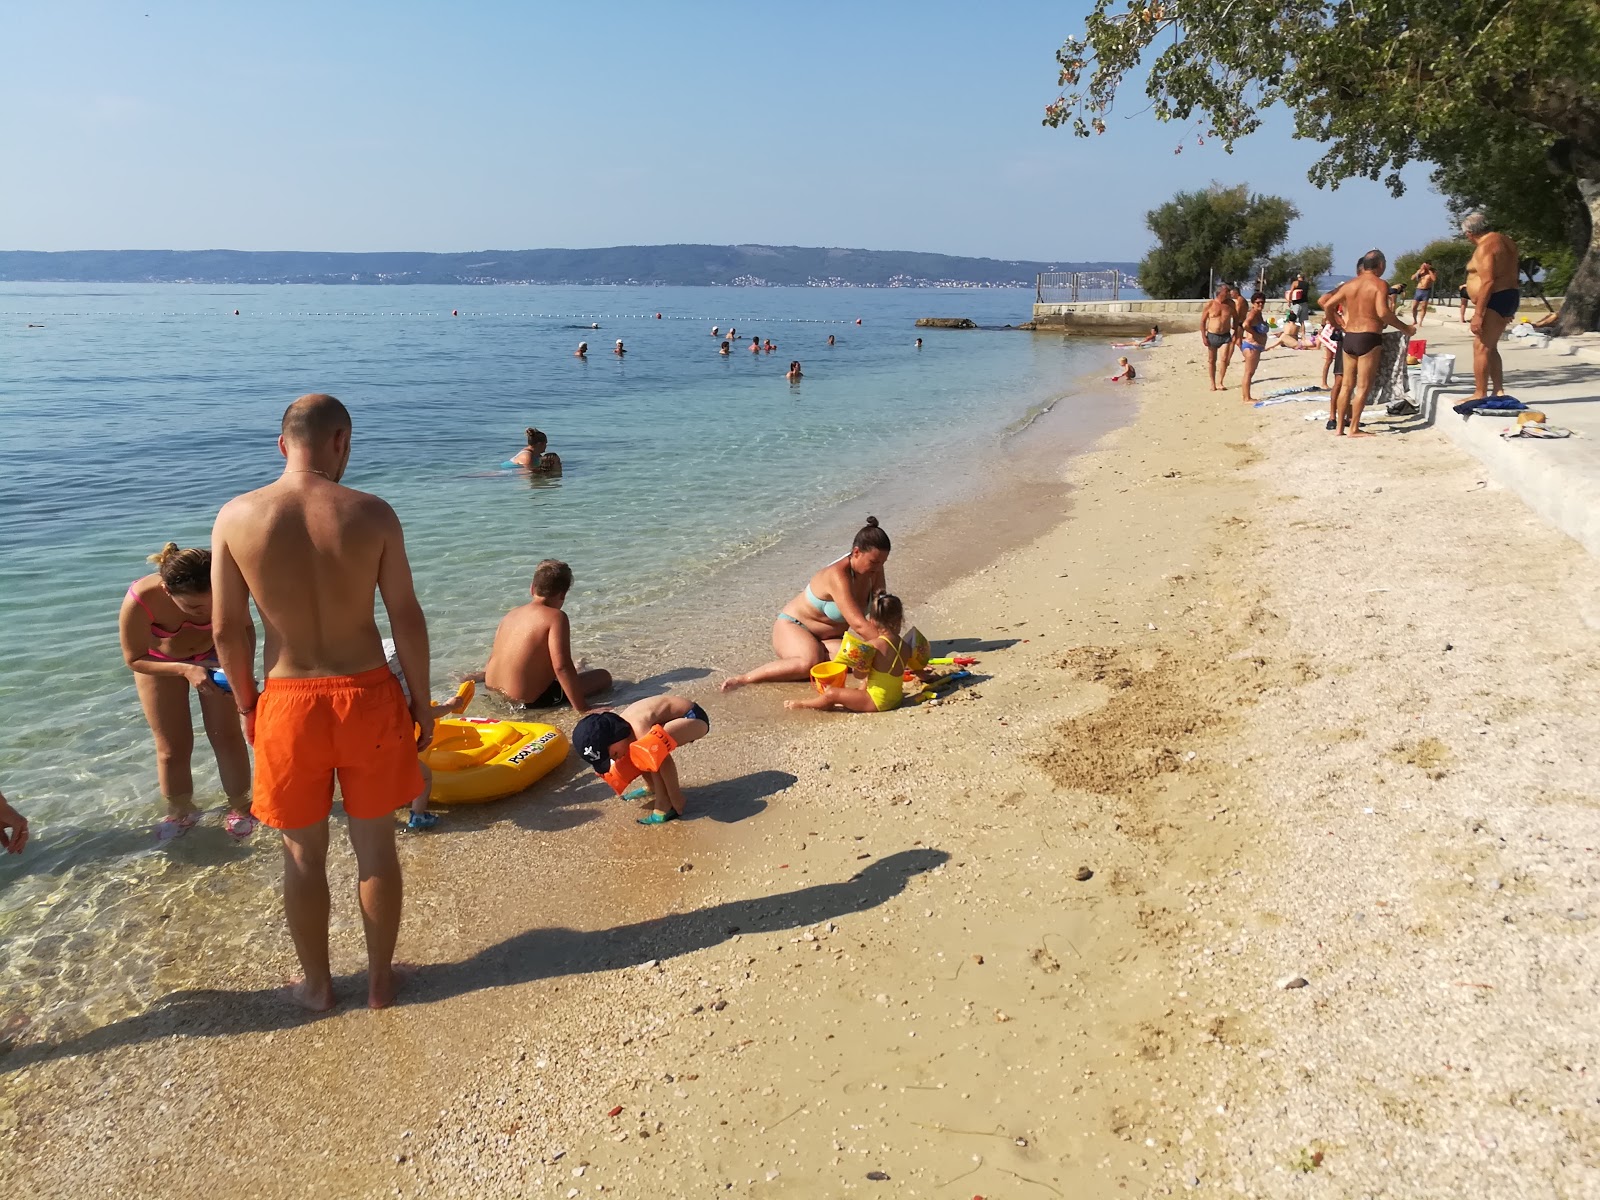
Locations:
(631, 266)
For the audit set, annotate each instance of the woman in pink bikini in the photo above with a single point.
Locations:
(166, 641)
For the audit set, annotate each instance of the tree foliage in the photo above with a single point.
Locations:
(1220, 233)
(1378, 83)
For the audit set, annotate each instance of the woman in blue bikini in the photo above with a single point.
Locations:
(1252, 341)
(808, 629)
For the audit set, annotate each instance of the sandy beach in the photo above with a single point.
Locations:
(1258, 706)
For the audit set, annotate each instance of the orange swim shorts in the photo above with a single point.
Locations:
(357, 727)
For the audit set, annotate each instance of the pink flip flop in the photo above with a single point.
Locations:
(239, 825)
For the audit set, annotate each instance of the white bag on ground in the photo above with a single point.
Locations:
(1438, 368)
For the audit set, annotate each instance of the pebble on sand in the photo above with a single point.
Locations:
(1289, 982)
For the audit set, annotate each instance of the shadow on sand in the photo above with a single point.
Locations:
(526, 957)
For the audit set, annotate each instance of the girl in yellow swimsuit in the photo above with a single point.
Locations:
(881, 690)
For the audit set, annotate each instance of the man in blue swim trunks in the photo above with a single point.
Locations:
(1494, 281)
(1424, 277)
(1217, 333)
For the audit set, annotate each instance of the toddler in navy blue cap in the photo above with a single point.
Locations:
(638, 742)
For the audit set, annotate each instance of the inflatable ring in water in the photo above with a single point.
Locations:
(475, 759)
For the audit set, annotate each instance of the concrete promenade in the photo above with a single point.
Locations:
(1560, 480)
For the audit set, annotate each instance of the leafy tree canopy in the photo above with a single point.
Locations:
(1222, 233)
(1379, 83)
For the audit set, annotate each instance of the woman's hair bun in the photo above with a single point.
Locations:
(164, 554)
(873, 521)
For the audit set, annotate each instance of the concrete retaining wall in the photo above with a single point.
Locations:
(1117, 317)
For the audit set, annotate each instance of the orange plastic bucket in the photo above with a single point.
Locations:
(828, 675)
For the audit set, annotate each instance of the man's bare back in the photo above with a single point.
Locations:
(312, 553)
(1362, 304)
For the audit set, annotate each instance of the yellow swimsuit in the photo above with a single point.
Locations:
(887, 688)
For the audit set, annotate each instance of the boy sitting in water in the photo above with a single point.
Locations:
(604, 738)
(1126, 373)
(531, 661)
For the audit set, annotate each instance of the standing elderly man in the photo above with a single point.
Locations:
(1216, 332)
(1493, 283)
(313, 554)
(1362, 308)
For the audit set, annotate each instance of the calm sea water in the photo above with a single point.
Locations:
(136, 411)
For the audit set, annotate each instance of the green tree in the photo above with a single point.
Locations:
(1380, 83)
(1311, 261)
(1513, 185)
(1221, 233)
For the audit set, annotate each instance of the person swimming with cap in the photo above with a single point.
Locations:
(619, 348)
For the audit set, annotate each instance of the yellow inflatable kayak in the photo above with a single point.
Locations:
(474, 759)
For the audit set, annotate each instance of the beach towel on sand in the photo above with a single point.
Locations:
(1489, 404)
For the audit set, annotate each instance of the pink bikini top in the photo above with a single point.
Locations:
(160, 632)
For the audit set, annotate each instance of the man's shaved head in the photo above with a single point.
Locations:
(311, 420)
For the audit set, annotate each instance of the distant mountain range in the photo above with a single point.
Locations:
(715, 266)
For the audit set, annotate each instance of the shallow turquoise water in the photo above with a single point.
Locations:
(136, 411)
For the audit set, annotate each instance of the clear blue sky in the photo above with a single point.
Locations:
(457, 126)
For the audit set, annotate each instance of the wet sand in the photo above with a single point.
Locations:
(1023, 942)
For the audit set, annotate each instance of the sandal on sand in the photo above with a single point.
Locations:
(421, 822)
(659, 818)
(239, 825)
(175, 827)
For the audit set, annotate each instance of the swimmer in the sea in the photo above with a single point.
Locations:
(919, 343)
(716, 332)
(767, 347)
(795, 373)
(725, 349)
(619, 350)
(755, 345)
(830, 339)
(582, 351)
(535, 456)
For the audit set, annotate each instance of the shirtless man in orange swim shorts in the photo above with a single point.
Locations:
(312, 553)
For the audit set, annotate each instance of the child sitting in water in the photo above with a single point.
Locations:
(606, 737)
(881, 690)
(1127, 374)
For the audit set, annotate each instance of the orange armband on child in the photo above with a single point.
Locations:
(645, 754)
(621, 774)
(653, 749)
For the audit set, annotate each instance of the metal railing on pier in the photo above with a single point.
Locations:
(1069, 287)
